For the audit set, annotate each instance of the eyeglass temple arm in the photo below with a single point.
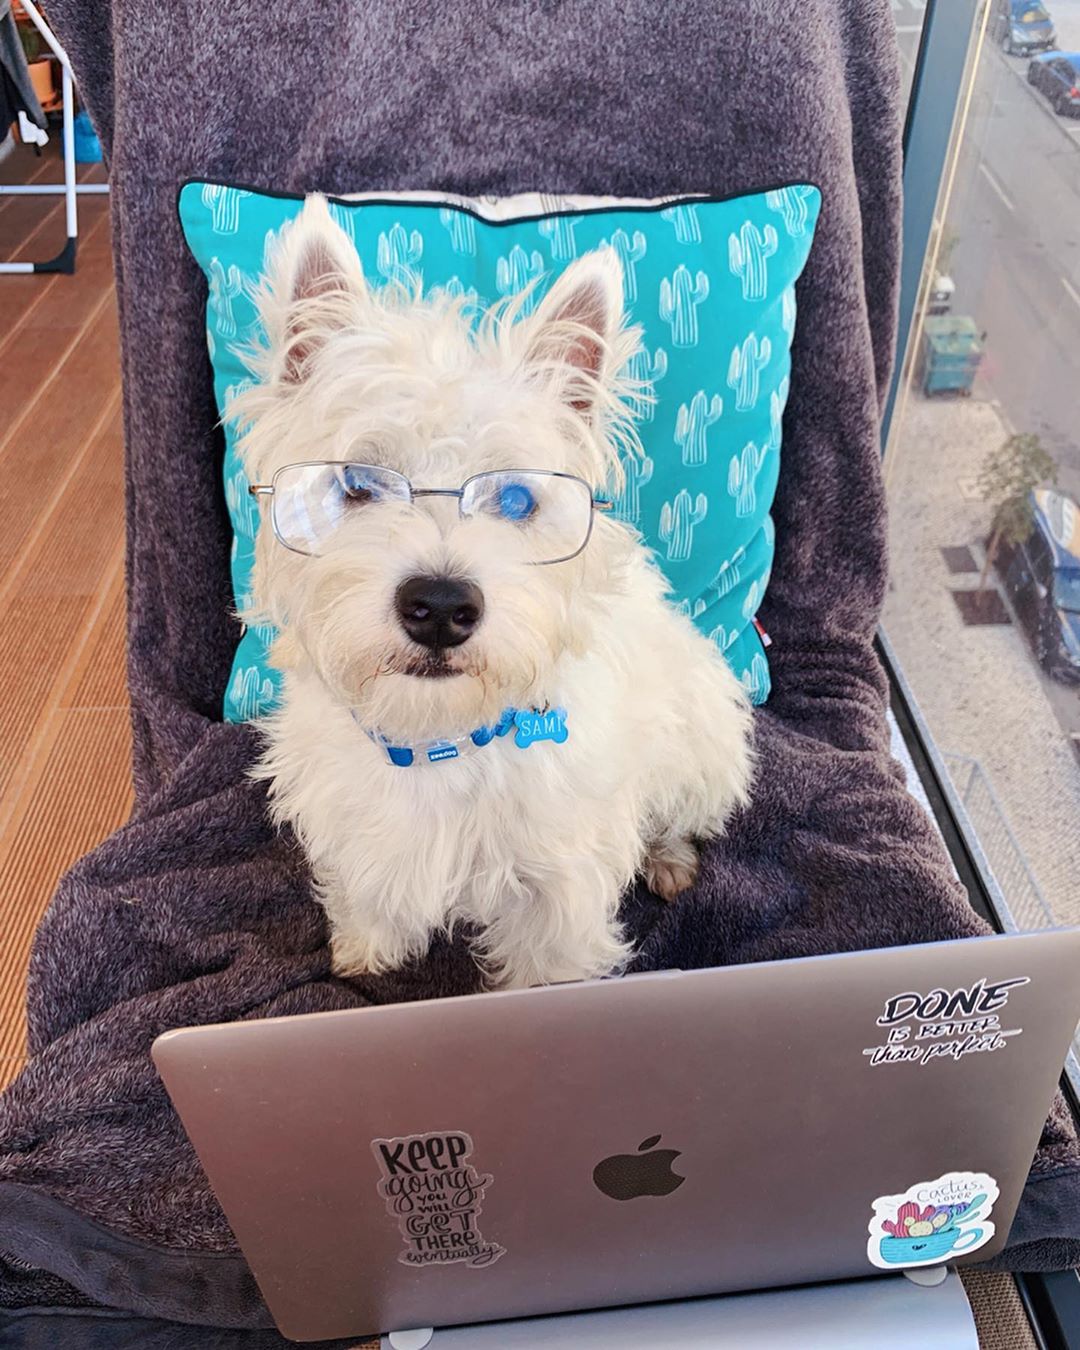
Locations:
(261, 489)
(603, 504)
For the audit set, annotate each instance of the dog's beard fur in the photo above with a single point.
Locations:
(411, 385)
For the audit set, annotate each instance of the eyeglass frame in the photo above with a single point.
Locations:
(596, 503)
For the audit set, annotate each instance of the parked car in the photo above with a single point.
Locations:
(1023, 27)
(1042, 578)
(1057, 75)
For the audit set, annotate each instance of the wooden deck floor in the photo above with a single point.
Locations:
(64, 737)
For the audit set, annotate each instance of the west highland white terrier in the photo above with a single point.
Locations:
(490, 714)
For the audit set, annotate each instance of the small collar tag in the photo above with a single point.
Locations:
(528, 724)
(534, 725)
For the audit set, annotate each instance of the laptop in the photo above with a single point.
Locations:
(630, 1140)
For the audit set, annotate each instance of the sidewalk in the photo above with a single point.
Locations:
(979, 688)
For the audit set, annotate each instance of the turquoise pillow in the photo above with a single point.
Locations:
(712, 284)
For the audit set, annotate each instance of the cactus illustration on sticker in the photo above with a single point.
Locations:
(643, 372)
(742, 477)
(223, 203)
(683, 607)
(224, 288)
(242, 506)
(559, 232)
(635, 474)
(692, 427)
(727, 578)
(514, 272)
(680, 296)
(791, 203)
(748, 255)
(677, 522)
(685, 221)
(744, 370)
(250, 695)
(787, 313)
(462, 230)
(398, 255)
(629, 252)
(755, 679)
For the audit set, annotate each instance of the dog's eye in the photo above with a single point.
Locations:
(515, 501)
(357, 485)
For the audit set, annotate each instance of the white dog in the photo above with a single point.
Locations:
(490, 714)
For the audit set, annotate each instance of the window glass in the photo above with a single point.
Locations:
(983, 470)
(909, 16)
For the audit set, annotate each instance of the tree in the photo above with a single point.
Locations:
(1008, 476)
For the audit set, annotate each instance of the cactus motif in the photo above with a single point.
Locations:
(559, 232)
(768, 527)
(643, 372)
(722, 637)
(398, 254)
(684, 218)
(692, 427)
(224, 288)
(679, 297)
(744, 370)
(223, 203)
(514, 272)
(755, 679)
(791, 203)
(683, 607)
(787, 313)
(468, 295)
(635, 474)
(742, 477)
(462, 230)
(777, 399)
(677, 521)
(344, 217)
(755, 593)
(250, 694)
(629, 252)
(727, 578)
(243, 507)
(748, 254)
(234, 391)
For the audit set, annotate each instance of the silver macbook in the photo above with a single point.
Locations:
(634, 1139)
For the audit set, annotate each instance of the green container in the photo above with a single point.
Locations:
(952, 350)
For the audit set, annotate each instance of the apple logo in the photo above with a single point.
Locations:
(624, 1176)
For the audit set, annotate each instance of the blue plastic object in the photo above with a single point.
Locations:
(87, 145)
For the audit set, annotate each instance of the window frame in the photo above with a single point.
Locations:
(950, 29)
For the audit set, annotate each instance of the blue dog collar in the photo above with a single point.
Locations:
(528, 724)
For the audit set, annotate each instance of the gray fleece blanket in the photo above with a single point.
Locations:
(195, 911)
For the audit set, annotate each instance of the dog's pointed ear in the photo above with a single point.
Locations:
(571, 335)
(315, 286)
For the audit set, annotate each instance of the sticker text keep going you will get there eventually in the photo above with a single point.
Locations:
(435, 1193)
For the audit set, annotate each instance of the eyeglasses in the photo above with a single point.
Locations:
(551, 513)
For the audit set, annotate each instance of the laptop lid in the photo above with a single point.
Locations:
(630, 1140)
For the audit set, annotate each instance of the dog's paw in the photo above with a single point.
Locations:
(671, 867)
(348, 959)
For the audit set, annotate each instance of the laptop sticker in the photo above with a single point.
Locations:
(435, 1193)
(933, 1222)
(945, 1024)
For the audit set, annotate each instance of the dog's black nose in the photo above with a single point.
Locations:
(439, 611)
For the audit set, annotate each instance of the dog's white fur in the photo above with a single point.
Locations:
(533, 847)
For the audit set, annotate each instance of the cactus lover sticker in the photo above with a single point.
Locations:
(932, 1222)
(435, 1193)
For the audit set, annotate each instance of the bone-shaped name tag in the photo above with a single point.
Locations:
(549, 725)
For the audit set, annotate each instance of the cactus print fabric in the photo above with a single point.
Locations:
(712, 284)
